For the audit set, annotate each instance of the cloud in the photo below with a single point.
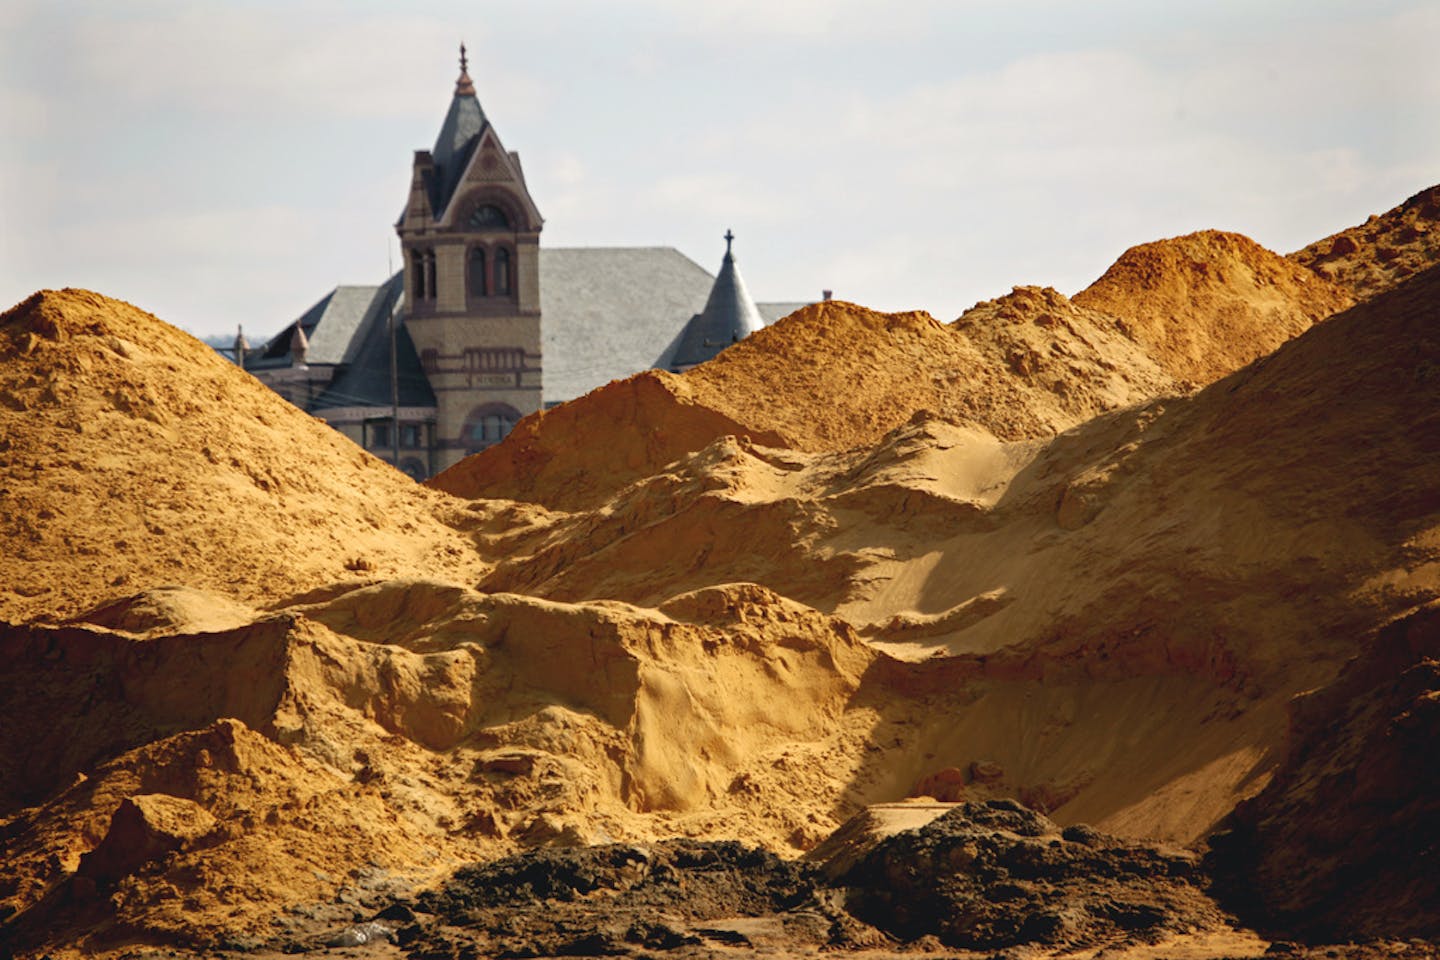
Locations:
(317, 57)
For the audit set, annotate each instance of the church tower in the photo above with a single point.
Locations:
(470, 236)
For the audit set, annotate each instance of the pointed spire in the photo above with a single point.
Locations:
(463, 85)
(464, 122)
(241, 345)
(729, 316)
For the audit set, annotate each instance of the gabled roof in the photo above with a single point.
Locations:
(365, 380)
(729, 316)
(608, 312)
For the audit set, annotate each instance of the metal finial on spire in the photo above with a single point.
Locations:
(463, 86)
(728, 237)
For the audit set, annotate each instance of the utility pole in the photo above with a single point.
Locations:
(394, 376)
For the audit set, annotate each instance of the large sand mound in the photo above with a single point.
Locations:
(1208, 303)
(831, 376)
(1384, 250)
(133, 456)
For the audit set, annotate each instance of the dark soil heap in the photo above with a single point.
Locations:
(985, 876)
(613, 899)
(998, 874)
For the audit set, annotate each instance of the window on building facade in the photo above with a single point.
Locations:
(379, 434)
(475, 276)
(422, 273)
(492, 427)
(488, 423)
(410, 435)
(502, 272)
(487, 216)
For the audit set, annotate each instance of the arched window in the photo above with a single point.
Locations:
(417, 273)
(476, 275)
(487, 424)
(502, 272)
(487, 216)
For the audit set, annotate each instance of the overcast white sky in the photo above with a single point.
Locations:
(222, 163)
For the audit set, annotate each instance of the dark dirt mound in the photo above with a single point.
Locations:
(1345, 841)
(614, 899)
(997, 874)
(986, 875)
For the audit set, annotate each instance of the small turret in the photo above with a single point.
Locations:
(729, 316)
(299, 346)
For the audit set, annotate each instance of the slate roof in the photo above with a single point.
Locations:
(365, 380)
(331, 326)
(730, 315)
(461, 130)
(608, 312)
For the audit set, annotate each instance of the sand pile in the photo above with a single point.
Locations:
(1384, 250)
(831, 376)
(1208, 303)
(133, 456)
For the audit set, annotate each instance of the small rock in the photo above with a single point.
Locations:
(361, 934)
(986, 771)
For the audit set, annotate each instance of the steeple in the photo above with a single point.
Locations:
(464, 123)
(729, 316)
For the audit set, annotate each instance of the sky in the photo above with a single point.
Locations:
(227, 163)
